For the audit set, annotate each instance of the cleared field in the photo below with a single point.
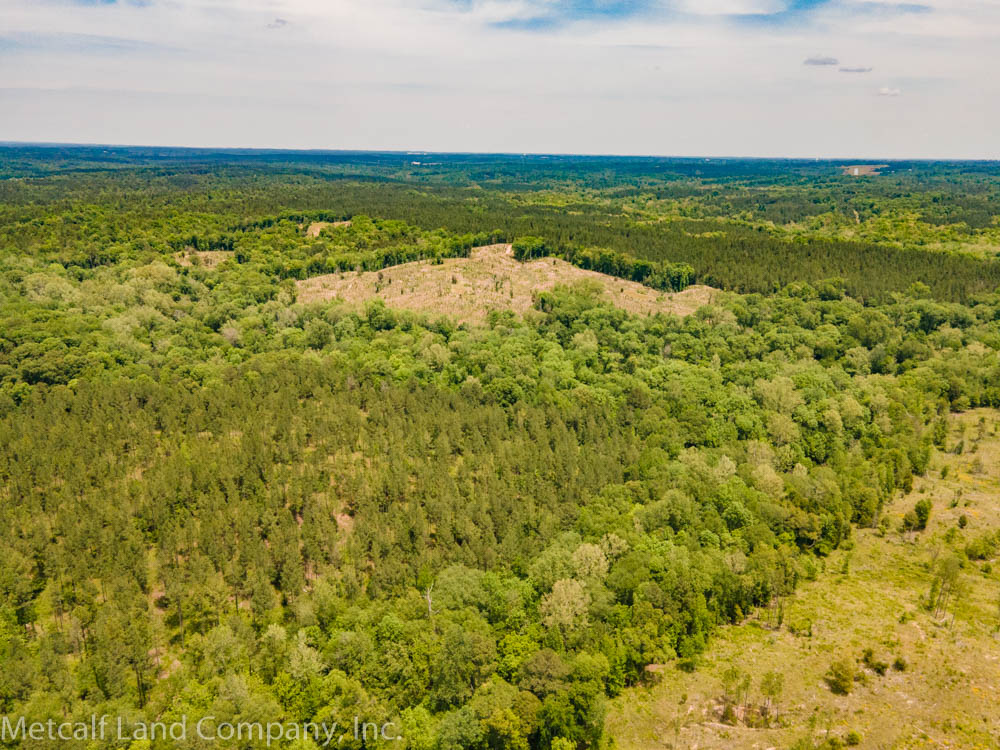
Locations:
(864, 170)
(868, 597)
(316, 227)
(490, 279)
(206, 258)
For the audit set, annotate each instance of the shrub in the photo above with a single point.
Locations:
(840, 676)
(916, 519)
(982, 547)
(872, 663)
(923, 512)
(689, 664)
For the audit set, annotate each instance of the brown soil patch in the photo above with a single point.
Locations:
(318, 226)
(204, 258)
(864, 170)
(467, 289)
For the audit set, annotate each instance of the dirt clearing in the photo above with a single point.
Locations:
(204, 258)
(490, 279)
(318, 226)
(864, 170)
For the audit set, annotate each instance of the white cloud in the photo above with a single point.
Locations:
(438, 74)
(888, 91)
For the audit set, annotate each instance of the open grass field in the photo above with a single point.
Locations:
(466, 289)
(316, 227)
(946, 691)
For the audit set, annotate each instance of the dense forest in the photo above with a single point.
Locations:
(219, 500)
(754, 228)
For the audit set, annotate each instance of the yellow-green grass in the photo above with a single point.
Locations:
(868, 596)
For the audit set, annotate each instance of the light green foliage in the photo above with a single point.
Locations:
(224, 500)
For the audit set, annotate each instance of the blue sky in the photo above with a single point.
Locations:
(686, 77)
(546, 15)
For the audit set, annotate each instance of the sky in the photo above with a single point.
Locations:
(783, 78)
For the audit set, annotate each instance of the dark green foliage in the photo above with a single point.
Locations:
(840, 676)
(658, 275)
(238, 196)
(921, 514)
(874, 664)
(215, 494)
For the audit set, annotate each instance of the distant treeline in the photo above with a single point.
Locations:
(723, 254)
(93, 219)
(658, 275)
(714, 252)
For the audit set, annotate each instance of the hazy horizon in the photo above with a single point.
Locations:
(535, 154)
